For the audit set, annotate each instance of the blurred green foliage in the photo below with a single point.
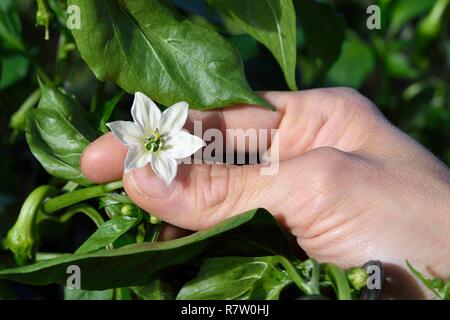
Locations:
(404, 68)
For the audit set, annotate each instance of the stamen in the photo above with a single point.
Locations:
(153, 143)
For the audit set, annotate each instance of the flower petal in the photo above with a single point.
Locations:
(145, 112)
(182, 144)
(137, 157)
(164, 166)
(127, 132)
(174, 118)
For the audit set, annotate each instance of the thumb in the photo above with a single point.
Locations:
(203, 195)
(199, 197)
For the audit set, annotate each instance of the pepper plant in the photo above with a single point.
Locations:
(170, 51)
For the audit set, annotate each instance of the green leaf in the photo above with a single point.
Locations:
(430, 26)
(252, 240)
(156, 290)
(247, 46)
(399, 65)
(60, 11)
(78, 294)
(404, 10)
(57, 132)
(137, 264)
(426, 281)
(114, 202)
(123, 294)
(237, 278)
(323, 29)
(144, 46)
(10, 27)
(271, 22)
(108, 109)
(202, 21)
(108, 232)
(114, 198)
(354, 65)
(15, 68)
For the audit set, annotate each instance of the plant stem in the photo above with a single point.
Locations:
(86, 209)
(295, 276)
(70, 186)
(17, 121)
(339, 280)
(155, 232)
(313, 268)
(41, 256)
(31, 205)
(70, 198)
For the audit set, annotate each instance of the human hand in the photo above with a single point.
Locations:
(350, 186)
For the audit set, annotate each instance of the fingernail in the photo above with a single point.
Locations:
(149, 185)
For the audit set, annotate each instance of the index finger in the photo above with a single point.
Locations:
(103, 159)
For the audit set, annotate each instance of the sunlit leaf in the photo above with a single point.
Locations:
(142, 45)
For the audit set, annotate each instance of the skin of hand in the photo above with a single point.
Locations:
(350, 187)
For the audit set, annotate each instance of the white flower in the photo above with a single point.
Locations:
(156, 138)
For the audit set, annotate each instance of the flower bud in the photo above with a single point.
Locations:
(43, 16)
(437, 283)
(128, 210)
(154, 219)
(22, 238)
(357, 277)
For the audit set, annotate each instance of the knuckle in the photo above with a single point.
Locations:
(355, 102)
(211, 189)
(327, 176)
(344, 93)
(328, 167)
(348, 91)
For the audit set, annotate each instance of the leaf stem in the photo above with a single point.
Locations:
(155, 232)
(70, 198)
(70, 186)
(86, 209)
(425, 280)
(339, 280)
(293, 274)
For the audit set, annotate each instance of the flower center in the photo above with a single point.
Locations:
(153, 142)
